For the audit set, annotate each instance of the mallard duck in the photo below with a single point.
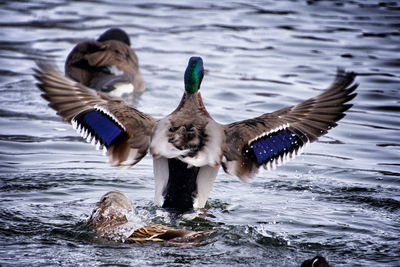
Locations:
(188, 146)
(107, 64)
(317, 261)
(115, 218)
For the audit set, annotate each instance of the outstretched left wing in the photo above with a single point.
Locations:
(106, 122)
(272, 138)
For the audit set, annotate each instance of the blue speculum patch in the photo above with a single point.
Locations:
(101, 126)
(273, 145)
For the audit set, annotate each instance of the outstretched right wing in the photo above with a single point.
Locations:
(270, 139)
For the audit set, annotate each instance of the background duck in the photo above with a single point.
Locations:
(107, 64)
(188, 146)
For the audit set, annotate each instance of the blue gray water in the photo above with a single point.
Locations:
(340, 199)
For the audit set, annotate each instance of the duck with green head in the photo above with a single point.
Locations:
(188, 146)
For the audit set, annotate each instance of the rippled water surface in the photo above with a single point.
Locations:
(340, 199)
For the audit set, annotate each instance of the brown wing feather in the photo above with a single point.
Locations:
(306, 121)
(66, 96)
(70, 99)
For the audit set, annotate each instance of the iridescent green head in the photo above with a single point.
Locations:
(194, 75)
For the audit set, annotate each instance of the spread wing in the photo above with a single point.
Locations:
(272, 138)
(109, 123)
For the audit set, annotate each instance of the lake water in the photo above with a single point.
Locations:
(340, 199)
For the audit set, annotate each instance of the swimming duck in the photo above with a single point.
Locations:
(188, 146)
(115, 218)
(317, 261)
(107, 64)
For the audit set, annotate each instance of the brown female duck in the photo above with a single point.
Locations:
(107, 64)
(115, 218)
